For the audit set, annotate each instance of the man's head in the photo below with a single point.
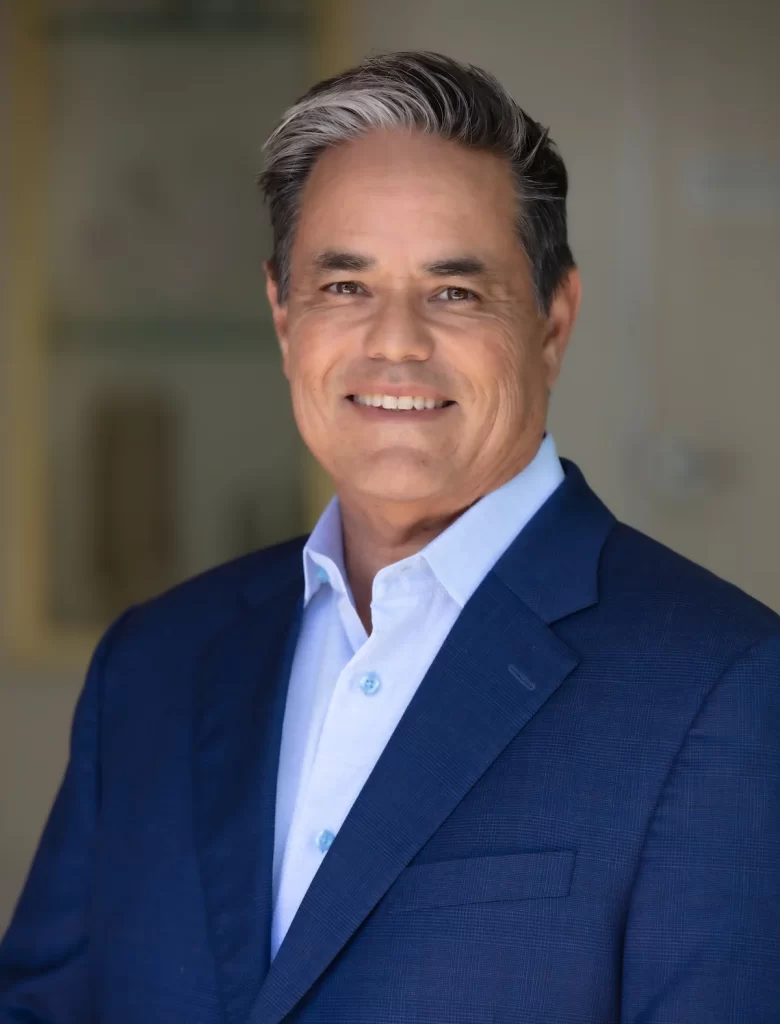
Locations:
(420, 249)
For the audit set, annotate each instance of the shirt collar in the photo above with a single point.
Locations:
(462, 555)
(323, 553)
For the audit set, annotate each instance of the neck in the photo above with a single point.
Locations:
(377, 535)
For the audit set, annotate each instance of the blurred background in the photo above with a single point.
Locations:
(145, 426)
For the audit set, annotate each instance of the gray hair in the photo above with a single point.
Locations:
(437, 95)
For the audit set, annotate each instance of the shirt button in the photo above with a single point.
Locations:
(324, 839)
(322, 574)
(370, 684)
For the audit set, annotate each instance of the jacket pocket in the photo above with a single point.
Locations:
(451, 883)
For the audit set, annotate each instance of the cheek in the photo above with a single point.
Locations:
(496, 370)
(507, 383)
(311, 352)
(313, 372)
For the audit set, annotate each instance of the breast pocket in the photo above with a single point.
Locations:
(536, 874)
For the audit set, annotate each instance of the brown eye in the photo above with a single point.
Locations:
(455, 294)
(344, 288)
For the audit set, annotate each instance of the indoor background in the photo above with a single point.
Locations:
(145, 427)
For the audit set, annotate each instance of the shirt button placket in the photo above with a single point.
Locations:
(325, 839)
(370, 684)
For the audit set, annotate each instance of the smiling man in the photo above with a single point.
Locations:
(471, 751)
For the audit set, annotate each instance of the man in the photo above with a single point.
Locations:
(473, 751)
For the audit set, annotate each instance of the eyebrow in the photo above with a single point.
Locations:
(332, 259)
(457, 266)
(454, 266)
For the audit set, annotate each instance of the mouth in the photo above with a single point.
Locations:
(408, 404)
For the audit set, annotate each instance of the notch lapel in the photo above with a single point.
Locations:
(497, 667)
(240, 697)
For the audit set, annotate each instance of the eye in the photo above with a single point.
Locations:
(455, 294)
(344, 288)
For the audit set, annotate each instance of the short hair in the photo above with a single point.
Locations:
(437, 95)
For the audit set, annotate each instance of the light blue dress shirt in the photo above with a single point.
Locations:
(348, 690)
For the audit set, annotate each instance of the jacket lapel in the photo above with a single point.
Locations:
(497, 667)
(239, 706)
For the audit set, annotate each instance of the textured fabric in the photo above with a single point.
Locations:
(576, 820)
(348, 691)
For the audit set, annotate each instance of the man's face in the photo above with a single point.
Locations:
(407, 278)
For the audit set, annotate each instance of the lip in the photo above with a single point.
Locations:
(378, 413)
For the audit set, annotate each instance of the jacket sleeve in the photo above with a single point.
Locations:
(702, 941)
(44, 954)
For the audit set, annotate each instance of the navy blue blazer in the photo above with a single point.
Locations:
(576, 821)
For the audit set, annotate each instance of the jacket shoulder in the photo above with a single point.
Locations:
(652, 579)
(187, 615)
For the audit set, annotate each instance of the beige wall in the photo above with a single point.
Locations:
(668, 399)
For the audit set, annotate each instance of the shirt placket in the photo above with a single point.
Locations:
(340, 766)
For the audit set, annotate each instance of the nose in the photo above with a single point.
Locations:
(397, 332)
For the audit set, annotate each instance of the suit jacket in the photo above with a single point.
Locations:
(577, 819)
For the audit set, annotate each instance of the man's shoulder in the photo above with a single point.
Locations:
(250, 575)
(186, 616)
(656, 585)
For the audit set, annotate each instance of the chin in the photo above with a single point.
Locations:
(402, 495)
(389, 486)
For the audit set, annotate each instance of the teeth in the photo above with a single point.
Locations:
(402, 402)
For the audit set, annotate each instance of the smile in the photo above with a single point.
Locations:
(401, 402)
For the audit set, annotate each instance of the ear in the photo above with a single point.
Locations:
(560, 323)
(278, 313)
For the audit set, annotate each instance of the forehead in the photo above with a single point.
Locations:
(408, 190)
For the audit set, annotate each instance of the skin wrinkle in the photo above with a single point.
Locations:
(386, 211)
